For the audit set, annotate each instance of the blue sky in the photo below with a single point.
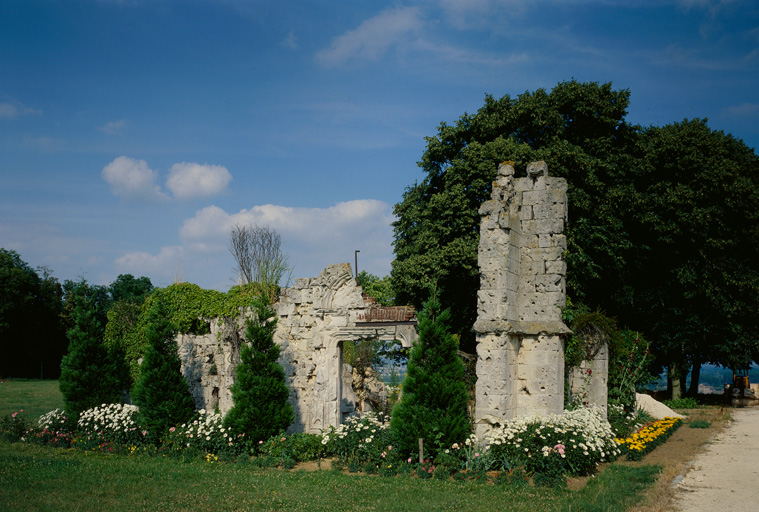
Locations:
(135, 133)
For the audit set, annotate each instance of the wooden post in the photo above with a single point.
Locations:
(421, 450)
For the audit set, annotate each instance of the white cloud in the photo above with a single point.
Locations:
(189, 180)
(12, 110)
(744, 109)
(312, 237)
(291, 41)
(132, 179)
(373, 38)
(114, 127)
(168, 260)
(467, 14)
(45, 143)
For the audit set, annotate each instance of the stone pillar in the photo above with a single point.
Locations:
(589, 382)
(520, 352)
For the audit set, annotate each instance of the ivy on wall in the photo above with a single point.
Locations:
(190, 308)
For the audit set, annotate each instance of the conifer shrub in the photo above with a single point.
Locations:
(260, 393)
(90, 374)
(162, 392)
(434, 401)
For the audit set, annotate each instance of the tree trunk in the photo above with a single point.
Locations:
(673, 382)
(694, 378)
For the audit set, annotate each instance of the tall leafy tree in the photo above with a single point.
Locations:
(260, 393)
(162, 392)
(662, 221)
(435, 397)
(695, 224)
(579, 128)
(378, 288)
(32, 338)
(90, 374)
(127, 288)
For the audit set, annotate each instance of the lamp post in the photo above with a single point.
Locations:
(355, 254)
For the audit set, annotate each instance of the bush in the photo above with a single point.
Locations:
(300, 447)
(53, 428)
(435, 397)
(362, 440)
(14, 426)
(576, 442)
(204, 434)
(161, 393)
(110, 425)
(624, 423)
(683, 403)
(90, 373)
(260, 393)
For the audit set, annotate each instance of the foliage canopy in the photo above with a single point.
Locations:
(662, 221)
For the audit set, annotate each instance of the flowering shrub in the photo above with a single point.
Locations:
(299, 447)
(13, 427)
(624, 423)
(205, 434)
(53, 420)
(109, 426)
(648, 438)
(362, 441)
(52, 429)
(575, 442)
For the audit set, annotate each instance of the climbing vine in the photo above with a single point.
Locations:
(190, 308)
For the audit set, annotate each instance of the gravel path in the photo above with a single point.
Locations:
(725, 476)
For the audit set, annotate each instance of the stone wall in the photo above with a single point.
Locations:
(589, 381)
(315, 316)
(520, 351)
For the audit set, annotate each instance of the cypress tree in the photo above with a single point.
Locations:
(260, 393)
(90, 374)
(435, 397)
(161, 392)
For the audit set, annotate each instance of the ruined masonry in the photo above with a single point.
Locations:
(520, 351)
(315, 317)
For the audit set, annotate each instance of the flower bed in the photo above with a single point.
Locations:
(109, 427)
(649, 437)
(572, 443)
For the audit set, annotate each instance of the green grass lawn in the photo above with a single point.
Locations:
(35, 477)
(35, 397)
(42, 478)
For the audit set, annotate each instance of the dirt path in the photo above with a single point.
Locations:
(725, 475)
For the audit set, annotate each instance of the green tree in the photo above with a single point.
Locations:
(128, 289)
(378, 288)
(435, 397)
(260, 393)
(695, 224)
(162, 392)
(97, 297)
(90, 374)
(31, 336)
(579, 129)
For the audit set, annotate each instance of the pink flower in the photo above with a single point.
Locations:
(172, 429)
(260, 442)
(476, 454)
(409, 460)
(14, 415)
(144, 432)
(389, 448)
(282, 439)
